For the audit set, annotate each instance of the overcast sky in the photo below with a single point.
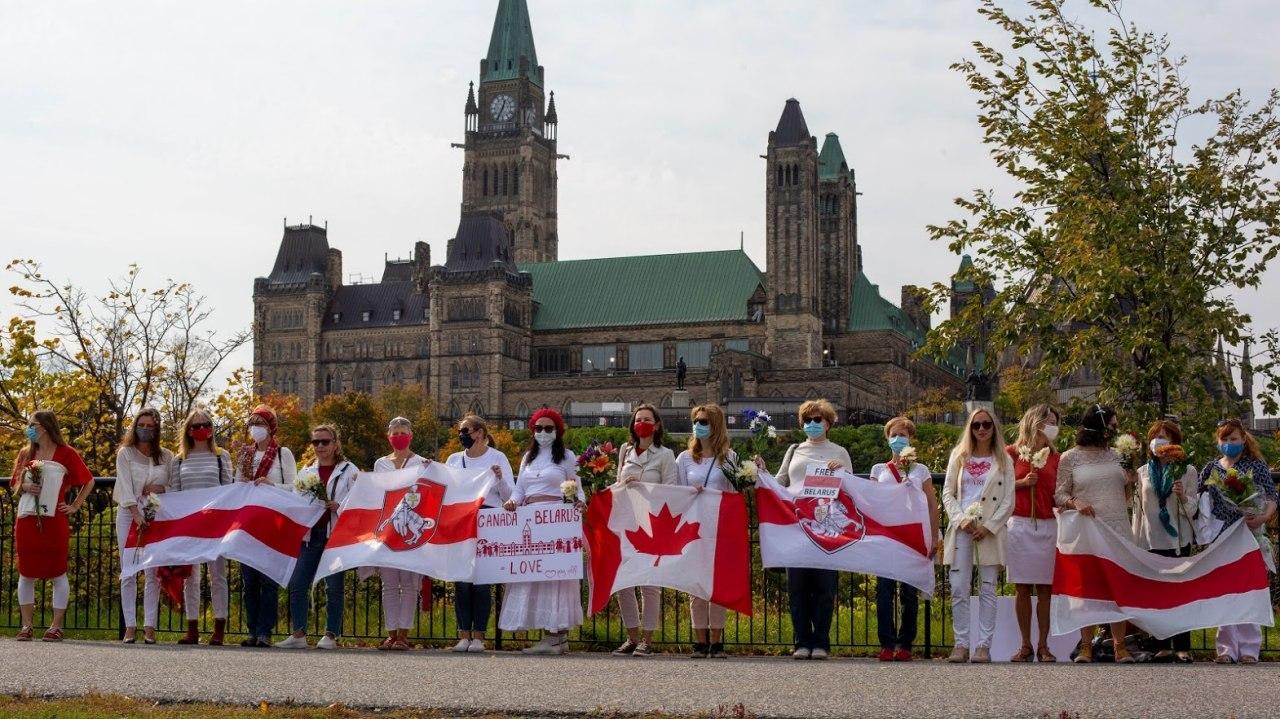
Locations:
(179, 135)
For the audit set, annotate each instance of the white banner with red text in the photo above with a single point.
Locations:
(1100, 576)
(261, 526)
(834, 520)
(535, 543)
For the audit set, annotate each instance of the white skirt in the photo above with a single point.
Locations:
(1029, 550)
(554, 606)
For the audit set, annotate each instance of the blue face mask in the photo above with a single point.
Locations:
(897, 444)
(1231, 450)
(814, 430)
(32, 434)
(701, 431)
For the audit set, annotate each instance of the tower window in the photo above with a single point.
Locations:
(504, 180)
(516, 181)
(485, 192)
(395, 315)
(365, 315)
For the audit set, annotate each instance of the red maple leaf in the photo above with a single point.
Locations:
(669, 536)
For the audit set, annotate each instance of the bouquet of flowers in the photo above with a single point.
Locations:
(973, 513)
(906, 460)
(150, 505)
(1037, 460)
(309, 484)
(34, 473)
(569, 491)
(739, 472)
(596, 466)
(1235, 486)
(759, 424)
(1169, 466)
(1126, 445)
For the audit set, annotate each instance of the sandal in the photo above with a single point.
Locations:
(1024, 655)
(1044, 655)
(1183, 658)
(400, 645)
(52, 635)
(1248, 660)
(25, 634)
(1223, 659)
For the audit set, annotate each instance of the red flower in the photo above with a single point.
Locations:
(1235, 485)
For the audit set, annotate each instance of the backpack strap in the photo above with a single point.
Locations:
(786, 463)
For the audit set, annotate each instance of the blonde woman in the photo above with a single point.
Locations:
(643, 459)
(399, 587)
(1033, 528)
(143, 468)
(473, 603)
(700, 466)
(978, 498)
(202, 464)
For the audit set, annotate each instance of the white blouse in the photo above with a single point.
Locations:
(919, 475)
(134, 471)
(284, 470)
(705, 472)
(500, 490)
(386, 464)
(544, 476)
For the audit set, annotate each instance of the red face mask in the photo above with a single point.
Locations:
(644, 430)
(201, 434)
(400, 442)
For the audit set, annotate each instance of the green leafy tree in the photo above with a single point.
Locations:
(412, 402)
(1124, 240)
(362, 422)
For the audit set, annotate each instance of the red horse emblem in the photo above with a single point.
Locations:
(410, 515)
(831, 522)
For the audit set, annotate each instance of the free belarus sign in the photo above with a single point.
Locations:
(535, 543)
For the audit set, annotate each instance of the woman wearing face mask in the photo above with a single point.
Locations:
(202, 464)
(700, 466)
(811, 593)
(1092, 482)
(554, 606)
(1165, 506)
(1033, 528)
(897, 636)
(142, 467)
(978, 497)
(643, 459)
(262, 462)
(338, 474)
(41, 532)
(473, 603)
(400, 588)
(1240, 452)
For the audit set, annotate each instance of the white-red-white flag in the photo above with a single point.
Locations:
(261, 526)
(835, 520)
(1100, 576)
(669, 536)
(419, 519)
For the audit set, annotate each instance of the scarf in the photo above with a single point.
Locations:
(1162, 479)
(268, 459)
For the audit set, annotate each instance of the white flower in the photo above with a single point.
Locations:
(908, 456)
(569, 490)
(1040, 458)
(773, 432)
(1125, 444)
(974, 512)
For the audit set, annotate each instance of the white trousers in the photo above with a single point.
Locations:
(631, 612)
(1239, 640)
(27, 591)
(129, 584)
(961, 577)
(218, 592)
(399, 597)
(706, 615)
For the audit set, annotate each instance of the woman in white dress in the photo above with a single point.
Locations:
(142, 468)
(555, 606)
(399, 587)
(1033, 528)
(1092, 481)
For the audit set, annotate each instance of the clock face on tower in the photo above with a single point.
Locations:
(503, 108)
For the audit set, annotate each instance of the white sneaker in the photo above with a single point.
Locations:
(540, 648)
(818, 654)
(476, 646)
(327, 642)
(292, 642)
(462, 645)
(549, 645)
(800, 653)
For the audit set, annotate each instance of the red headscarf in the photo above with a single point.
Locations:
(550, 414)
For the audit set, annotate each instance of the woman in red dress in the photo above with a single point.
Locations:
(46, 469)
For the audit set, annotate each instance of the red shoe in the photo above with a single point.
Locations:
(886, 655)
(902, 655)
(52, 635)
(25, 634)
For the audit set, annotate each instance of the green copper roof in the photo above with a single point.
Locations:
(870, 311)
(643, 290)
(512, 39)
(963, 285)
(831, 162)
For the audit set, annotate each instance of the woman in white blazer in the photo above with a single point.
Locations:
(643, 459)
(978, 499)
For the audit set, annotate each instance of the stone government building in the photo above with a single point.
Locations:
(503, 326)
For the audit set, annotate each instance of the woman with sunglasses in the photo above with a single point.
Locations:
(811, 593)
(703, 466)
(1092, 481)
(338, 475)
(1239, 452)
(400, 587)
(473, 603)
(1033, 528)
(554, 606)
(977, 495)
(202, 464)
(143, 468)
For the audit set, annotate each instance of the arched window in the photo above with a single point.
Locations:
(504, 180)
(453, 375)
(516, 181)
(779, 168)
(485, 191)
(795, 174)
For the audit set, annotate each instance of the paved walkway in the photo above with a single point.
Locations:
(581, 683)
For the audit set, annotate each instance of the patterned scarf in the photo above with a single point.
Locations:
(268, 459)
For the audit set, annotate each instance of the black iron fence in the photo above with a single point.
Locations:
(94, 610)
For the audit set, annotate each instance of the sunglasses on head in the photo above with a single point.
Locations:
(321, 442)
(545, 429)
(201, 425)
(1231, 423)
(702, 422)
(984, 424)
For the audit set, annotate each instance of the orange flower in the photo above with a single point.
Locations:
(1171, 453)
(599, 464)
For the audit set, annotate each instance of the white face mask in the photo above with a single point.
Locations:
(545, 439)
(1157, 443)
(259, 433)
(1050, 432)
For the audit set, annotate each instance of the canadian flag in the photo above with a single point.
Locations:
(1100, 576)
(834, 520)
(419, 519)
(669, 536)
(261, 526)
